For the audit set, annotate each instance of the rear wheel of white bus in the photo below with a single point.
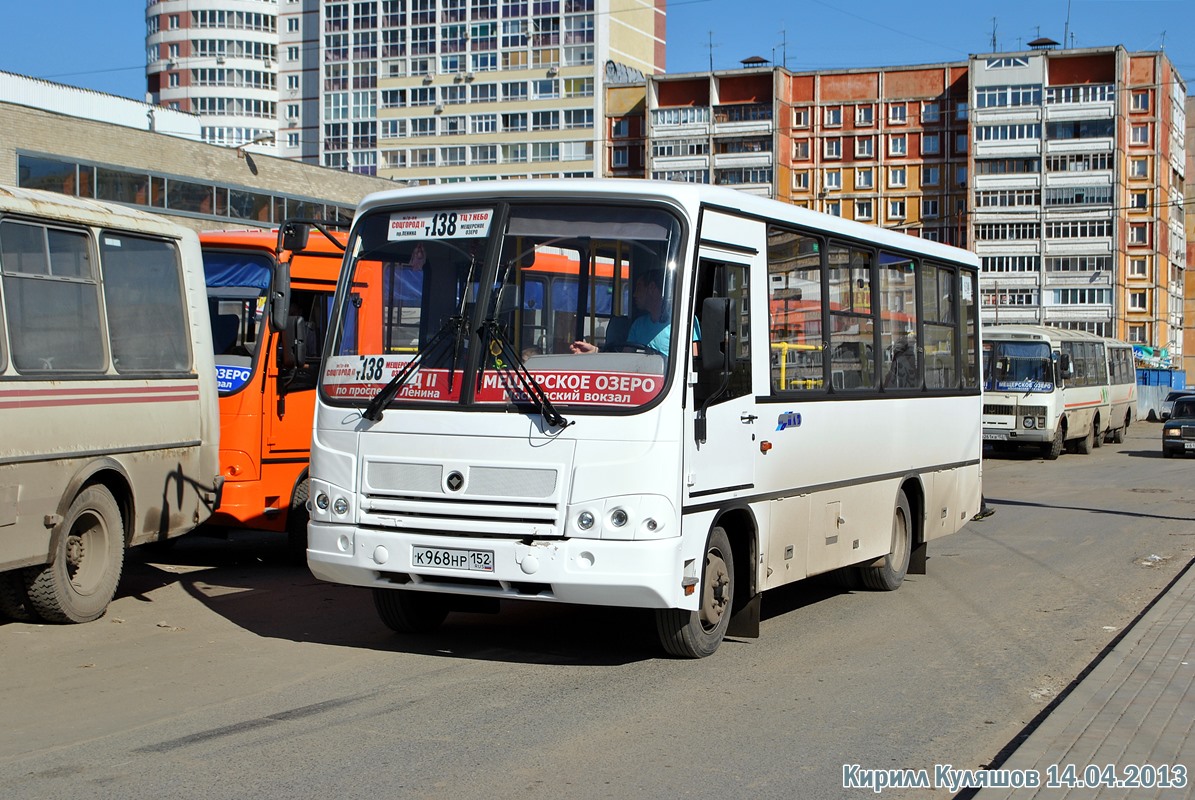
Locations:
(81, 581)
(889, 572)
(697, 634)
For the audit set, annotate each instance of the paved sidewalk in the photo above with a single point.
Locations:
(1135, 708)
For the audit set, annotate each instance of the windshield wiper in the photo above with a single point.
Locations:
(451, 328)
(515, 364)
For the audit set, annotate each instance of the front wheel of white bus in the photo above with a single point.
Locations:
(697, 634)
(81, 581)
(410, 612)
(888, 573)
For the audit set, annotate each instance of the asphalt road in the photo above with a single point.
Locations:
(222, 672)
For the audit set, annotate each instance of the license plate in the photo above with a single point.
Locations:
(995, 437)
(1189, 445)
(451, 558)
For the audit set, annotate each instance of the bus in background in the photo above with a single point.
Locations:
(655, 453)
(268, 308)
(107, 398)
(1055, 389)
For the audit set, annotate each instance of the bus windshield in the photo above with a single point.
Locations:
(485, 298)
(1018, 367)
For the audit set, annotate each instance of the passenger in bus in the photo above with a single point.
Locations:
(652, 329)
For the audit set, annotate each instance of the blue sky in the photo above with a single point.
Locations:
(100, 44)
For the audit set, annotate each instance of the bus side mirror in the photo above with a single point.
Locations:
(280, 297)
(715, 334)
(1001, 368)
(293, 236)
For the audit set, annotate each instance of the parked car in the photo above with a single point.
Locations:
(1178, 432)
(1168, 403)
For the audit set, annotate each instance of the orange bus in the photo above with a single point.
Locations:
(269, 308)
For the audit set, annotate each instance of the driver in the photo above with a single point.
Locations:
(651, 329)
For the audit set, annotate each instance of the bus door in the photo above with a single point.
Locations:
(722, 425)
(289, 398)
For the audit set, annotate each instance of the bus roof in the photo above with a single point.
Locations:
(1042, 332)
(267, 239)
(79, 210)
(689, 195)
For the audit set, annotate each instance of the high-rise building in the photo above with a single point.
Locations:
(446, 90)
(217, 59)
(1063, 169)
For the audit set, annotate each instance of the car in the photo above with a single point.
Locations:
(1168, 403)
(1178, 432)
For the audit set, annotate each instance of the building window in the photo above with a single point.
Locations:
(898, 145)
(801, 181)
(620, 129)
(864, 178)
(864, 210)
(1137, 301)
(834, 208)
(833, 148)
(931, 144)
(1137, 200)
(1140, 100)
(929, 209)
(864, 116)
(897, 177)
(800, 117)
(1139, 233)
(960, 143)
(897, 114)
(620, 157)
(931, 176)
(292, 110)
(834, 117)
(896, 209)
(1139, 135)
(292, 25)
(801, 150)
(930, 112)
(1138, 167)
(1137, 334)
(292, 54)
(832, 180)
(864, 147)
(1139, 267)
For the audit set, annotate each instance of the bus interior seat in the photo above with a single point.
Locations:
(224, 333)
(616, 332)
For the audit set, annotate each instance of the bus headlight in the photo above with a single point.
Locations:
(1028, 422)
(340, 506)
(618, 518)
(321, 501)
(585, 520)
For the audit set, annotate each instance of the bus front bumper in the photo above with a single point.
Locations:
(635, 574)
(1018, 436)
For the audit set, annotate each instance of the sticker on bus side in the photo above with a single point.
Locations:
(230, 378)
(466, 224)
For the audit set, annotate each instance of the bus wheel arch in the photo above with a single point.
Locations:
(86, 560)
(111, 475)
(297, 516)
(1097, 435)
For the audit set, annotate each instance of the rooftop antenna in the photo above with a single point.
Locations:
(711, 47)
(784, 48)
(1163, 45)
(1067, 27)
(993, 34)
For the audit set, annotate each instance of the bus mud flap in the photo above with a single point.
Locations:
(917, 559)
(745, 622)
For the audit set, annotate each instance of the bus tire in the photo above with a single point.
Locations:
(1053, 449)
(14, 600)
(82, 580)
(1097, 436)
(697, 634)
(888, 575)
(1085, 445)
(297, 517)
(410, 612)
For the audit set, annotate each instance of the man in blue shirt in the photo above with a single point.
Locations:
(651, 329)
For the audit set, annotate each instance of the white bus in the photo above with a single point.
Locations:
(637, 394)
(108, 420)
(1056, 389)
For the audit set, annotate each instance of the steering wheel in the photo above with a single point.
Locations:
(635, 347)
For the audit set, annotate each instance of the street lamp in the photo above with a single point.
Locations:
(261, 138)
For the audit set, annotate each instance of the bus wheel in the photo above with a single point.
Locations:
(81, 582)
(697, 634)
(1097, 436)
(297, 517)
(888, 574)
(1085, 445)
(14, 600)
(1051, 451)
(410, 612)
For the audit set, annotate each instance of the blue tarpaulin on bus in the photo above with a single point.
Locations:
(223, 269)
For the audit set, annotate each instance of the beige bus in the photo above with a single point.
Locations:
(108, 420)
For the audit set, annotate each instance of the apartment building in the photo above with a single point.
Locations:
(1078, 160)
(1063, 169)
(430, 91)
(217, 59)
